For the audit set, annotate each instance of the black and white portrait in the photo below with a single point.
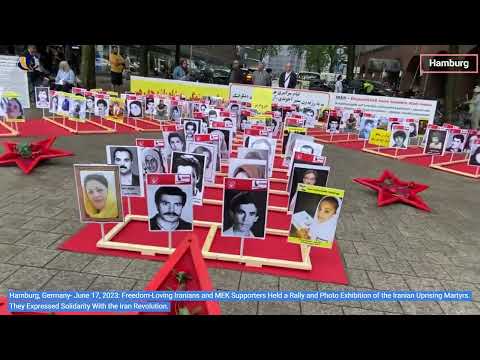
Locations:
(210, 151)
(412, 129)
(366, 127)
(310, 117)
(90, 104)
(54, 104)
(292, 140)
(193, 165)
(333, 124)
(150, 108)
(399, 137)
(244, 213)
(225, 139)
(134, 108)
(174, 141)
(306, 174)
(263, 143)
(175, 113)
(191, 128)
(247, 169)
(254, 154)
(78, 108)
(131, 174)
(170, 207)
(42, 99)
(474, 159)
(436, 141)
(101, 107)
(456, 142)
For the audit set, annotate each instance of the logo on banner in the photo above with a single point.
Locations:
(153, 179)
(260, 184)
(231, 184)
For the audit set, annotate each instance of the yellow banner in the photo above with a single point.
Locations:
(190, 90)
(262, 99)
(320, 190)
(293, 129)
(379, 137)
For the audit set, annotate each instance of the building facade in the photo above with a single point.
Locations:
(276, 63)
(399, 66)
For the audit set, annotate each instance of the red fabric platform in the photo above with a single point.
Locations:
(40, 127)
(464, 167)
(327, 264)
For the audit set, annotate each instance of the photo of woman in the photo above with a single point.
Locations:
(247, 169)
(224, 140)
(98, 192)
(306, 174)
(475, 155)
(14, 109)
(135, 109)
(54, 104)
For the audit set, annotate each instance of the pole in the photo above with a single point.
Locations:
(102, 230)
(242, 241)
(129, 204)
(169, 239)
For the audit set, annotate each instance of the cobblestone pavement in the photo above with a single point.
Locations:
(396, 247)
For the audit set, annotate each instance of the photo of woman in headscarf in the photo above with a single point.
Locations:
(223, 142)
(247, 169)
(14, 109)
(98, 194)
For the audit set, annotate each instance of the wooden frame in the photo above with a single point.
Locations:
(442, 166)
(397, 156)
(332, 136)
(13, 132)
(106, 243)
(105, 129)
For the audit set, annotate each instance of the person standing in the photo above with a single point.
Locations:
(475, 108)
(260, 77)
(288, 79)
(339, 85)
(181, 71)
(236, 74)
(117, 64)
(33, 74)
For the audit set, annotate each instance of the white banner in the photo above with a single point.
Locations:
(12, 78)
(242, 93)
(383, 106)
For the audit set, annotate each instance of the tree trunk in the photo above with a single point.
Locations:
(450, 87)
(351, 62)
(144, 61)
(87, 67)
(177, 55)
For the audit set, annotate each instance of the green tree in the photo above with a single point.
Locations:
(317, 56)
(450, 87)
(264, 50)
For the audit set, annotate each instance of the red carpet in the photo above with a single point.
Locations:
(327, 265)
(40, 127)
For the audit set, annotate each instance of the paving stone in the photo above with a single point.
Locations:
(239, 308)
(315, 308)
(253, 281)
(41, 224)
(287, 284)
(70, 261)
(387, 307)
(16, 208)
(382, 281)
(462, 286)
(346, 247)
(358, 278)
(140, 285)
(401, 267)
(421, 308)
(28, 278)
(68, 227)
(436, 258)
(57, 243)
(68, 214)
(13, 221)
(366, 248)
(423, 284)
(225, 279)
(112, 283)
(460, 308)
(434, 271)
(39, 239)
(46, 211)
(142, 269)
(465, 260)
(107, 265)
(24, 197)
(278, 308)
(363, 262)
(9, 251)
(11, 235)
(69, 281)
(463, 273)
(358, 311)
(6, 270)
(34, 257)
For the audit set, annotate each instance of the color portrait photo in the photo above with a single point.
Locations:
(436, 141)
(98, 193)
(305, 174)
(42, 99)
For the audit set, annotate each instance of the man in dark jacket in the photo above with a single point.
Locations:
(288, 79)
(236, 76)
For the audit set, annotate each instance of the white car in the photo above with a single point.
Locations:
(304, 78)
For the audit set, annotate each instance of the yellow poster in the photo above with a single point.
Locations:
(262, 99)
(293, 129)
(379, 137)
(315, 215)
(188, 89)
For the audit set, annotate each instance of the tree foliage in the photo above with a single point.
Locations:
(317, 56)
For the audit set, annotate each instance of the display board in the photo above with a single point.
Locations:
(283, 97)
(14, 79)
(383, 106)
(188, 89)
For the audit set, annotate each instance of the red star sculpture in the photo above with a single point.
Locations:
(391, 190)
(40, 150)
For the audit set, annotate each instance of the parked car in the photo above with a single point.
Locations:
(221, 76)
(248, 75)
(102, 65)
(321, 85)
(305, 77)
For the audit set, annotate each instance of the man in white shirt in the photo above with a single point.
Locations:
(288, 79)
(339, 85)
